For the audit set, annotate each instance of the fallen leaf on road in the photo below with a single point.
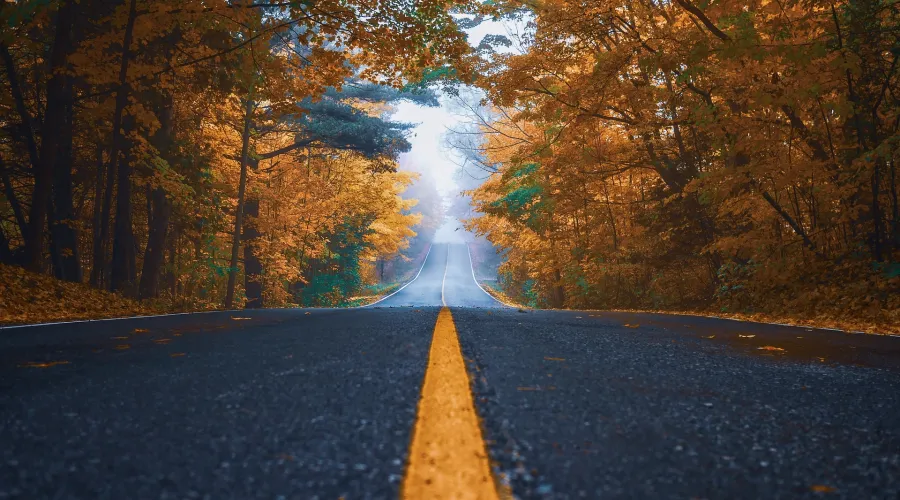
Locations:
(821, 488)
(162, 341)
(746, 336)
(122, 347)
(577, 317)
(141, 330)
(710, 337)
(554, 359)
(118, 338)
(239, 319)
(307, 312)
(527, 388)
(176, 354)
(770, 348)
(629, 325)
(47, 364)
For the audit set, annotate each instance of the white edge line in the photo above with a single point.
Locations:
(402, 287)
(30, 325)
(472, 267)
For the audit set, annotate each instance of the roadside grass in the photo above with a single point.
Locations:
(372, 293)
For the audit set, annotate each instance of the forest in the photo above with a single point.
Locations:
(216, 153)
(684, 155)
(735, 156)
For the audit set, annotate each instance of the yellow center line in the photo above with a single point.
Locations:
(447, 457)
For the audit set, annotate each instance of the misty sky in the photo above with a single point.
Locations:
(428, 151)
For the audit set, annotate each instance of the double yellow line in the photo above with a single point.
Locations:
(448, 457)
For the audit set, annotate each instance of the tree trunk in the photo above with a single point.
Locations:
(160, 207)
(154, 254)
(53, 116)
(13, 200)
(252, 265)
(877, 232)
(100, 268)
(123, 266)
(6, 255)
(67, 264)
(171, 280)
(96, 267)
(123, 272)
(239, 215)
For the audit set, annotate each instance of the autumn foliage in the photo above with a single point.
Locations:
(735, 156)
(217, 152)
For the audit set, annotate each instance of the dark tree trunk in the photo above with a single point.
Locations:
(100, 268)
(54, 115)
(160, 208)
(877, 232)
(67, 262)
(123, 271)
(239, 215)
(154, 254)
(6, 255)
(171, 280)
(123, 261)
(252, 265)
(96, 233)
(13, 200)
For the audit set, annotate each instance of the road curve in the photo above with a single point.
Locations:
(322, 403)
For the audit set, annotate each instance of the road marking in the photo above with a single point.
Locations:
(472, 267)
(32, 325)
(447, 456)
(404, 286)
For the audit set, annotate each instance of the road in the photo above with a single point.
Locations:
(329, 403)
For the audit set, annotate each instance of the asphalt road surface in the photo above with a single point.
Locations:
(322, 403)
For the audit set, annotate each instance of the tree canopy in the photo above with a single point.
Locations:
(212, 151)
(688, 155)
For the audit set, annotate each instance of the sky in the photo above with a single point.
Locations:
(428, 151)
